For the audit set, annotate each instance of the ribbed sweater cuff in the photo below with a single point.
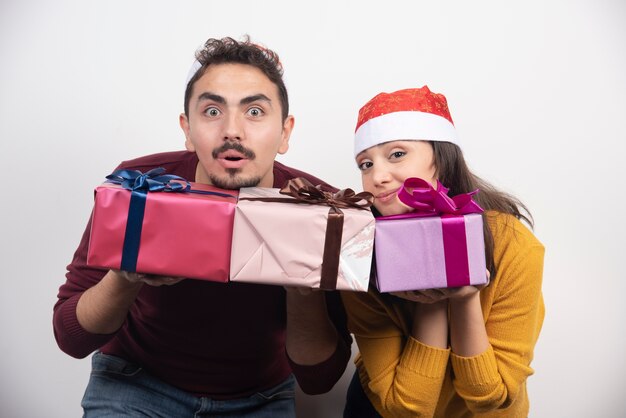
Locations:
(423, 359)
(320, 378)
(70, 321)
(81, 341)
(478, 370)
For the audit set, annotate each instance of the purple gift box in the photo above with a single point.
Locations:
(440, 244)
(429, 252)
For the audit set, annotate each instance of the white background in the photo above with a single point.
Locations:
(537, 90)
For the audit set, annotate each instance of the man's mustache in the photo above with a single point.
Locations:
(234, 145)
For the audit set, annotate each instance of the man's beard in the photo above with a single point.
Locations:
(232, 181)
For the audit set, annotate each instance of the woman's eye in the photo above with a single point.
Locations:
(365, 165)
(212, 111)
(255, 111)
(397, 154)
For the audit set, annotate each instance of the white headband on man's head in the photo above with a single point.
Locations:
(192, 71)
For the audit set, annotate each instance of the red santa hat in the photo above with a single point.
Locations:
(410, 114)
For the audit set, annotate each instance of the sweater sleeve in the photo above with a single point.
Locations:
(320, 378)
(71, 337)
(495, 378)
(404, 376)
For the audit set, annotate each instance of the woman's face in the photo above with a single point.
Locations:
(384, 168)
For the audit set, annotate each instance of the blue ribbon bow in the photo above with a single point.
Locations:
(140, 184)
(151, 181)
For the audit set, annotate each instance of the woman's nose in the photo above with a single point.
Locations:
(380, 175)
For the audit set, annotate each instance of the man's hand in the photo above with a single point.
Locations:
(300, 291)
(149, 279)
(311, 336)
(102, 309)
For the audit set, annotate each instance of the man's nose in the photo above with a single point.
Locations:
(233, 129)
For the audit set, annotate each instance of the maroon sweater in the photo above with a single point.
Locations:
(221, 340)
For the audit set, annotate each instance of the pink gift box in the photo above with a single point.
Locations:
(182, 234)
(282, 243)
(414, 253)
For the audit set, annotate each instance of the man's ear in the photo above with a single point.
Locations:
(184, 125)
(286, 134)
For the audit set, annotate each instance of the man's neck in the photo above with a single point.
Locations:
(201, 176)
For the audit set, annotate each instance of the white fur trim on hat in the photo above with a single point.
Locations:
(409, 125)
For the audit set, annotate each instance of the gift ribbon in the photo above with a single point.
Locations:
(303, 191)
(140, 184)
(428, 201)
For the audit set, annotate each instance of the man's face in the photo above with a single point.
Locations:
(235, 127)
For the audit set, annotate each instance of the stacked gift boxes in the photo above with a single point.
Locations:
(299, 236)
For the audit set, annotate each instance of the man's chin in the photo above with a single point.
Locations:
(233, 181)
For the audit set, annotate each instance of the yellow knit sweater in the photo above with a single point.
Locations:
(404, 378)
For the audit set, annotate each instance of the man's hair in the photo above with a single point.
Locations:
(229, 51)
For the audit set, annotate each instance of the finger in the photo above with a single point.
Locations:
(425, 296)
(300, 290)
(156, 281)
(406, 296)
(432, 294)
(126, 275)
(305, 290)
(174, 280)
(463, 292)
(425, 299)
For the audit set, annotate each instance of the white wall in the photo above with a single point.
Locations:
(537, 90)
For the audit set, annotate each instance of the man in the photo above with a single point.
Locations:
(177, 347)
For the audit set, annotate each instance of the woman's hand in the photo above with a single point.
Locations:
(437, 295)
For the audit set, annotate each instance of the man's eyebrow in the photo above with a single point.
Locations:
(213, 97)
(255, 98)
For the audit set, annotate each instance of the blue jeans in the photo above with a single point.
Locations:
(118, 388)
(357, 403)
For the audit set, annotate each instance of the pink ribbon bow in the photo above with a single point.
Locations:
(427, 201)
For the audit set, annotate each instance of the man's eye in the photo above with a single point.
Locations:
(212, 111)
(255, 111)
(365, 165)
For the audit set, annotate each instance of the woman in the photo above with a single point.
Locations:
(453, 352)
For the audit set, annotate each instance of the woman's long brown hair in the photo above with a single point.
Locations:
(453, 172)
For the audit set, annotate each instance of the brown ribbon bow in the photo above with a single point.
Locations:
(303, 191)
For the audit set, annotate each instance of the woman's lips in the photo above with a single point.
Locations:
(386, 196)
